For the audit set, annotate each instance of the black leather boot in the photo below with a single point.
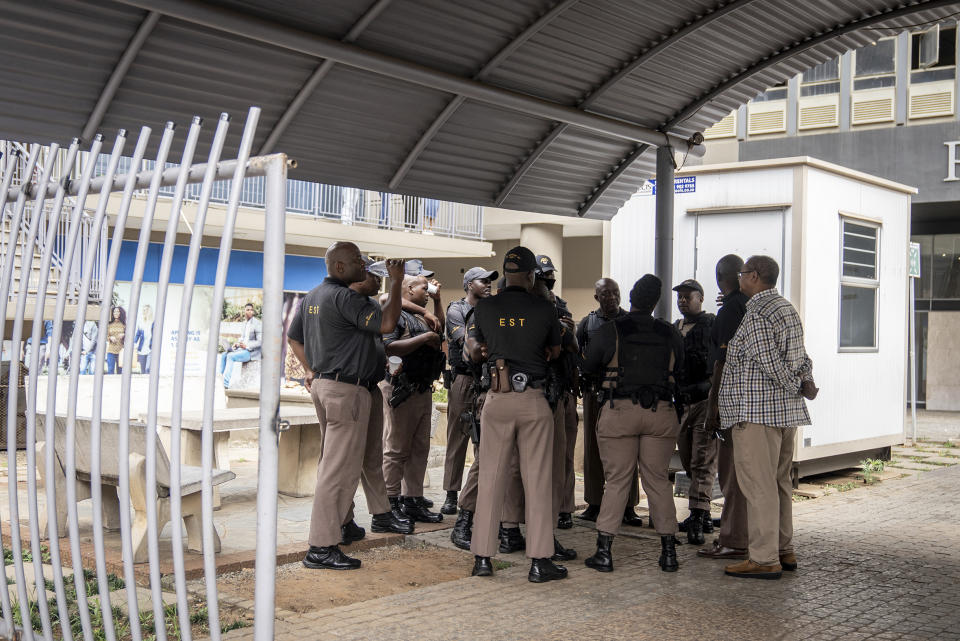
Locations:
(329, 558)
(462, 532)
(668, 554)
(707, 522)
(590, 514)
(482, 566)
(450, 505)
(695, 527)
(631, 518)
(543, 570)
(388, 522)
(396, 507)
(564, 521)
(423, 501)
(351, 532)
(417, 512)
(602, 561)
(511, 540)
(561, 553)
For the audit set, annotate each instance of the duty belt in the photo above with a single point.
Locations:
(349, 380)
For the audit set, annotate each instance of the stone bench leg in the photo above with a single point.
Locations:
(192, 505)
(138, 497)
(192, 454)
(60, 488)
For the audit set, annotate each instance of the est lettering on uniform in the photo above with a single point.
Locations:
(511, 322)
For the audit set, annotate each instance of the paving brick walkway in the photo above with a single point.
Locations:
(875, 563)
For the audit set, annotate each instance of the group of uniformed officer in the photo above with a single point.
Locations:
(517, 364)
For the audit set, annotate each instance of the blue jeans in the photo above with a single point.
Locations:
(113, 364)
(88, 364)
(144, 360)
(227, 359)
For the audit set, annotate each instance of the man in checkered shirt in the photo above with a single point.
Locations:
(766, 378)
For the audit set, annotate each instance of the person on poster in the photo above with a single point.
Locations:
(244, 350)
(116, 331)
(143, 339)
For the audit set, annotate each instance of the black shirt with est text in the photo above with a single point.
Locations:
(339, 330)
(517, 327)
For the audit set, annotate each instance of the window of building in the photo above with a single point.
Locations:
(945, 66)
(945, 267)
(859, 284)
(875, 66)
(822, 80)
(776, 92)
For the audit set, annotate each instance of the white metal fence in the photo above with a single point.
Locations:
(118, 462)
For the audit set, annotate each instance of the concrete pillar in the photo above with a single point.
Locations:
(664, 230)
(544, 238)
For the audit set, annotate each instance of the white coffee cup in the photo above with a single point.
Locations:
(393, 364)
(431, 289)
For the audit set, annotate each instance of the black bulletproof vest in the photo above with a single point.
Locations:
(643, 356)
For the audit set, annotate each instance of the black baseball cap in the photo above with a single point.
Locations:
(518, 260)
(544, 265)
(474, 273)
(689, 284)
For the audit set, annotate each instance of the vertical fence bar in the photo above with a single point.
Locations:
(220, 283)
(26, 267)
(136, 285)
(156, 352)
(189, 280)
(88, 269)
(12, 382)
(270, 370)
(46, 260)
(11, 161)
(75, 249)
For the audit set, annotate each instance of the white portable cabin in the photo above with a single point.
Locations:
(841, 238)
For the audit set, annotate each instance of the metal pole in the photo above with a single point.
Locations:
(292, 39)
(664, 237)
(273, 251)
(913, 359)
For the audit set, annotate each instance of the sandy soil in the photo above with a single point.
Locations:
(385, 571)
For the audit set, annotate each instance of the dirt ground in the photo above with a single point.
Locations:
(385, 571)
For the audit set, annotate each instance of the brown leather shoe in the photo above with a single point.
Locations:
(750, 570)
(717, 551)
(788, 561)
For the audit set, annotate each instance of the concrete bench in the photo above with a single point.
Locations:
(190, 482)
(299, 448)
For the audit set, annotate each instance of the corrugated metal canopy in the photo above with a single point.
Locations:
(552, 106)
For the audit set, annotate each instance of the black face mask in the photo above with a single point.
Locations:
(549, 283)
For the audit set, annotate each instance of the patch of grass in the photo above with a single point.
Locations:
(842, 487)
(501, 565)
(91, 587)
(869, 468)
(798, 498)
(440, 395)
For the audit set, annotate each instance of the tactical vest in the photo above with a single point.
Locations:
(696, 352)
(642, 365)
(454, 348)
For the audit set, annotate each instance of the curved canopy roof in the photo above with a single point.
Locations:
(551, 106)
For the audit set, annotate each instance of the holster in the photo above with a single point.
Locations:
(500, 377)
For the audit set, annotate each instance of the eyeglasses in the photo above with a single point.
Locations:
(746, 271)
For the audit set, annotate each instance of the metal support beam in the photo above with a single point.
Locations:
(639, 60)
(454, 104)
(119, 73)
(240, 24)
(317, 77)
(664, 235)
(611, 178)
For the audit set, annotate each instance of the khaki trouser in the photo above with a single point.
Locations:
(764, 457)
(593, 476)
(406, 442)
(733, 520)
(629, 436)
(567, 407)
(458, 437)
(698, 455)
(344, 414)
(521, 421)
(512, 512)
